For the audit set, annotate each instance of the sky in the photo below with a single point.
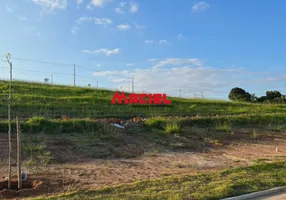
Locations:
(188, 47)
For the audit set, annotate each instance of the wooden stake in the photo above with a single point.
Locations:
(9, 122)
(19, 154)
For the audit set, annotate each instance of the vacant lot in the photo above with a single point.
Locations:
(111, 156)
(69, 144)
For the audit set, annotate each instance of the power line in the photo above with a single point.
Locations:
(50, 63)
(49, 73)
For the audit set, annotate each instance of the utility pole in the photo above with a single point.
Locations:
(73, 75)
(52, 77)
(180, 93)
(97, 84)
(202, 93)
(132, 84)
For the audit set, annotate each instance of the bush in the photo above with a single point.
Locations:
(172, 127)
(223, 126)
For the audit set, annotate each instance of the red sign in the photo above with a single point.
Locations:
(142, 99)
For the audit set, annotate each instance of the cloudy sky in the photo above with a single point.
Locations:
(198, 47)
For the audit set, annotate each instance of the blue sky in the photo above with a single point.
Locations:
(196, 46)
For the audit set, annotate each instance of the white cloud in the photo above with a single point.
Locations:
(133, 7)
(149, 41)
(74, 30)
(156, 42)
(180, 36)
(99, 3)
(163, 42)
(178, 62)
(105, 51)
(22, 18)
(39, 34)
(79, 1)
(123, 26)
(119, 11)
(192, 80)
(201, 6)
(102, 21)
(52, 4)
(152, 59)
(122, 4)
(8, 9)
(138, 26)
(129, 64)
(83, 19)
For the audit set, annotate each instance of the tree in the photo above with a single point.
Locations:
(239, 94)
(253, 98)
(46, 80)
(271, 95)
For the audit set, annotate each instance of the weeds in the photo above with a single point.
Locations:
(172, 127)
(276, 127)
(214, 185)
(254, 134)
(37, 153)
(223, 126)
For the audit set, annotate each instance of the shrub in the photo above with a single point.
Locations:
(172, 127)
(223, 126)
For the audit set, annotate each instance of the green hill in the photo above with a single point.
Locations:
(36, 99)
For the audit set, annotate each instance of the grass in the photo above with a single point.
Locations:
(52, 126)
(51, 101)
(205, 186)
(223, 126)
(222, 122)
(172, 127)
(36, 152)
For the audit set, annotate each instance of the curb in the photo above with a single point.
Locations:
(257, 194)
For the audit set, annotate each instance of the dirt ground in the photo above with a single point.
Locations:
(97, 173)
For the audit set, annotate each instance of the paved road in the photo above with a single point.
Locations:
(276, 196)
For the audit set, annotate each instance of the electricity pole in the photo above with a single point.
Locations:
(73, 75)
(97, 84)
(132, 84)
(180, 93)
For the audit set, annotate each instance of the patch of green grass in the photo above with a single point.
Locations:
(172, 127)
(222, 122)
(276, 127)
(52, 126)
(36, 152)
(223, 126)
(206, 186)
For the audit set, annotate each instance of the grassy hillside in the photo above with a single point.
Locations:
(35, 99)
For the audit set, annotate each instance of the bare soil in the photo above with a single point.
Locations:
(78, 172)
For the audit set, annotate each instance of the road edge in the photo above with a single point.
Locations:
(257, 194)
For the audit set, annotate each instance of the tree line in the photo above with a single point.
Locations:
(239, 94)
